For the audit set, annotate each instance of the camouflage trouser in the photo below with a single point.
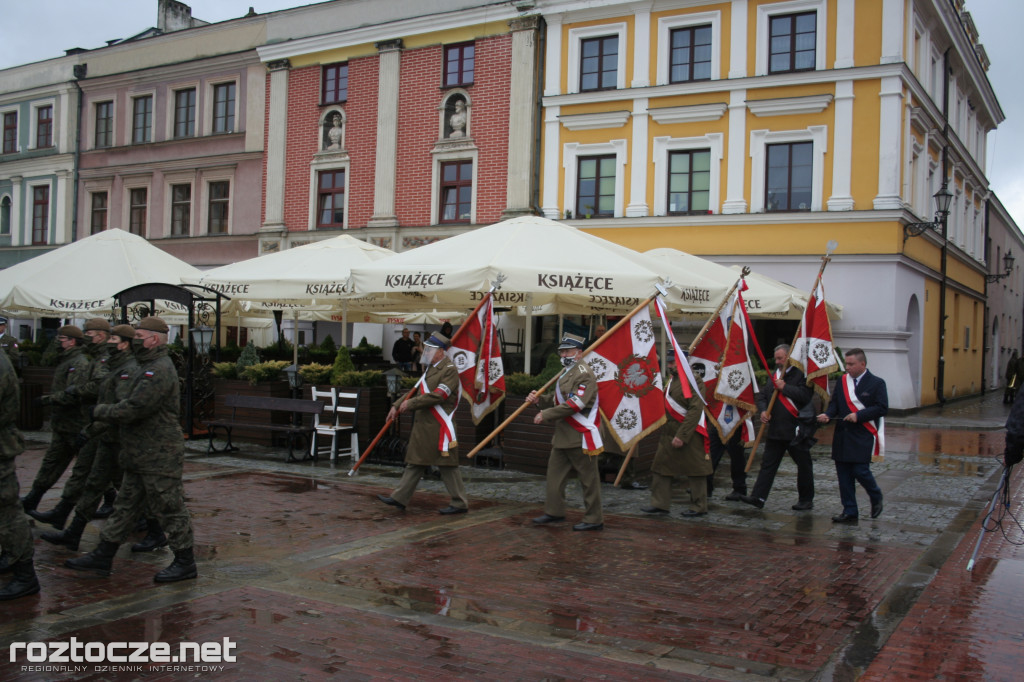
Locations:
(80, 472)
(165, 497)
(15, 533)
(104, 473)
(62, 450)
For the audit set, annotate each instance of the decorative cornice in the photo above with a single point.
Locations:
(603, 119)
(279, 65)
(782, 106)
(389, 45)
(689, 114)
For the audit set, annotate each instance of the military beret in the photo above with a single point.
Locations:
(153, 324)
(71, 331)
(125, 331)
(97, 324)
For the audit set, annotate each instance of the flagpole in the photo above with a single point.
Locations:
(775, 394)
(458, 332)
(629, 455)
(519, 410)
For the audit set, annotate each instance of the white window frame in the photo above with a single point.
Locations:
(126, 204)
(207, 127)
(935, 77)
(92, 187)
(17, 127)
(759, 141)
(30, 212)
(315, 168)
(571, 151)
(664, 145)
(576, 37)
(33, 132)
(172, 91)
(206, 177)
(764, 15)
(186, 178)
(90, 114)
(130, 115)
(10, 224)
(665, 27)
(465, 154)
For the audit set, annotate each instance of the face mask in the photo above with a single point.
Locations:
(568, 362)
(138, 345)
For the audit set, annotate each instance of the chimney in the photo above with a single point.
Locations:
(173, 16)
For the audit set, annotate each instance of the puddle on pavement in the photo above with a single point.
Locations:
(945, 442)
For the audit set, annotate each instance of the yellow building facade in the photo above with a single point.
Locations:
(754, 131)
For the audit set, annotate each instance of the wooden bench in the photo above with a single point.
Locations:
(255, 412)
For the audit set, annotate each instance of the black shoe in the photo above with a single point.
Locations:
(735, 496)
(688, 513)
(653, 510)
(56, 516)
(69, 537)
(155, 538)
(803, 505)
(394, 503)
(99, 560)
(752, 501)
(844, 518)
(547, 518)
(24, 582)
(182, 568)
(452, 510)
(5, 562)
(876, 509)
(588, 526)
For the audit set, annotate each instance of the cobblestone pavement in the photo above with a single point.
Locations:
(311, 577)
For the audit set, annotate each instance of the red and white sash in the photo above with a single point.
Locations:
(876, 428)
(444, 420)
(585, 423)
(786, 402)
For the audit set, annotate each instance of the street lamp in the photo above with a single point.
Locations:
(202, 338)
(942, 200)
(393, 377)
(1008, 260)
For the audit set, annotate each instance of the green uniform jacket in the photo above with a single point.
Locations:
(114, 387)
(689, 460)
(69, 415)
(150, 431)
(11, 442)
(442, 380)
(571, 382)
(10, 345)
(98, 354)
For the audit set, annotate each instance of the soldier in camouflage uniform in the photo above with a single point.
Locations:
(432, 442)
(15, 533)
(67, 417)
(9, 344)
(120, 366)
(153, 450)
(97, 332)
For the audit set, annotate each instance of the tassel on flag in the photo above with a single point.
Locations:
(813, 352)
(477, 357)
(629, 381)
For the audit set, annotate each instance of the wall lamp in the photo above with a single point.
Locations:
(942, 200)
(1007, 265)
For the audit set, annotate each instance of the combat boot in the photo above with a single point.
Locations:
(31, 501)
(24, 582)
(69, 537)
(107, 508)
(5, 562)
(182, 568)
(154, 539)
(99, 560)
(56, 516)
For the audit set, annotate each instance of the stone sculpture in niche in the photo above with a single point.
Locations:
(457, 121)
(334, 134)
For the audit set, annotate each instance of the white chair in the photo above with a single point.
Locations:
(339, 417)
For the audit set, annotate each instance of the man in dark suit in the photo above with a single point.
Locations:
(792, 403)
(859, 403)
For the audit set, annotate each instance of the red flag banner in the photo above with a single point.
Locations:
(734, 389)
(682, 365)
(477, 357)
(814, 353)
(629, 381)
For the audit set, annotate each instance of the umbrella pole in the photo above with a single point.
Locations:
(529, 333)
(295, 338)
(344, 323)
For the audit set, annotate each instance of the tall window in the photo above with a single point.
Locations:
(456, 192)
(5, 215)
(331, 199)
(10, 132)
(792, 41)
(142, 119)
(104, 124)
(220, 194)
(599, 63)
(44, 127)
(689, 181)
(224, 108)
(458, 64)
(185, 113)
(40, 214)
(98, 222)
(789, 176)
(137, 209)
(595, 186)
(690, 54)
(181, 210)
(335, 83)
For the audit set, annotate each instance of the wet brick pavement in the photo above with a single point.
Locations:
(312, 578)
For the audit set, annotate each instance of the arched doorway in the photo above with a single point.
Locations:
(914, 345)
